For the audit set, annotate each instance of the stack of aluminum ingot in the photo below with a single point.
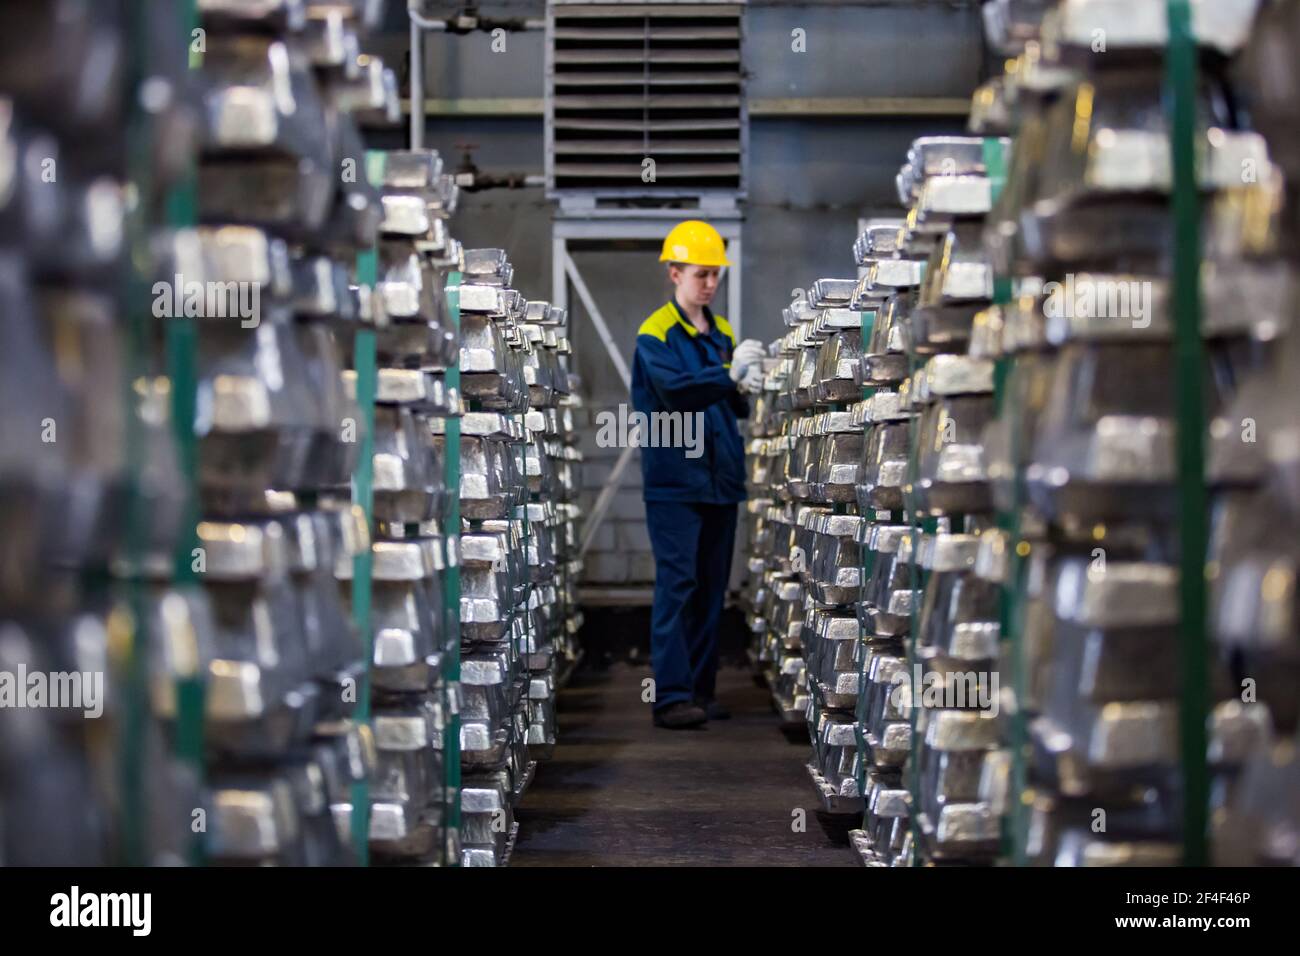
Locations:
(567, 617)
(518, 479)
(805, 571)
(285, 206)
(91, 496)
(773, 594)
(551, 466)
(1254, 557)
(1083, 452)
(412, 628)
(929, 639)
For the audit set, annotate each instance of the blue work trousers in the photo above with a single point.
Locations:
(692, 545)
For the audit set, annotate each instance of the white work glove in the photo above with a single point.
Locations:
(753, 380)
(747, 353)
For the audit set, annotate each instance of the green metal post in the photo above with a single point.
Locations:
(451, 661)
(1189, 371)
(363, 360)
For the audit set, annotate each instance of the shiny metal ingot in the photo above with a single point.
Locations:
(260, 698)
(836, 569)
(86, 522)
(258, 414)
(888, 732)
(961, 830)
(958, 283)
(1105, 441)
(420, 173)
(804, 376)
(884, 468)
(541, 713)
(790, 689)
(878, 241)
(884, 358)
(487, 600)
(538, 469)
(485, 677)
(946, 156)
(883, 280)
(407, 627)
(333, 646)
(1106, 745)
(266, 150)
(407, 789)
(952, 758)
(1085, 848)
(1255, 608)
(1107, 307)
(830, 293)
(487, 820)
(1224, 25)
(836, 360)
(320, 289)
(891, 615)
(942, 202)
(952, 476)
(1028, 387)
(834, 743)
(1255, 827)
(1269, 71)
(958, 621)
(834, 473)
(407, 467)
(485, 479)
(491, 371)
(802, 461)
(889, 808)
(829, 647)
(240, 254)
(343, 767)
(1106, 169)
(1091, 667)
(488, 267)
(330, 459)
(254, 820)
(483, 744)
(405, 295)
(262, 97)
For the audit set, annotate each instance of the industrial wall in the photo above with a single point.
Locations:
(812, 175)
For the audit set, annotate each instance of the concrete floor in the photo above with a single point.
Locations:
(621, 792)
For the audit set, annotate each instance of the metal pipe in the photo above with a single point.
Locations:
(417, 81)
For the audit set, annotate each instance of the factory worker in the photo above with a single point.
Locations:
(690, 379)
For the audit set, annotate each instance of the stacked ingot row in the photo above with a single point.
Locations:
(803, 518)
(1084, 450)
(1017, 491)
(285, 205)
(91, 496)
(413, 628)
(1254, 560)
(929, 647)
(773, 593)
(517, 487)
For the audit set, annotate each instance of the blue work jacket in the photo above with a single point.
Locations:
(680, 369)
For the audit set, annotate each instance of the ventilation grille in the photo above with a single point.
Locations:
(631, 82)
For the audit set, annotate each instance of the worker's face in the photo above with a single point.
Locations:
(696, 285)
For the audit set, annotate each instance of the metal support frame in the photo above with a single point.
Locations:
(581, 221)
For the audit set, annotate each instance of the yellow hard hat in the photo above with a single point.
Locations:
(694, 243)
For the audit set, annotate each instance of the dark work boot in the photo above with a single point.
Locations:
(714, 710)
(679, 715)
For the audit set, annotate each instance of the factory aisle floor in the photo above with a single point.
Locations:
(621, 792)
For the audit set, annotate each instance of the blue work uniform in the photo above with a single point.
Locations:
(690, 493)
